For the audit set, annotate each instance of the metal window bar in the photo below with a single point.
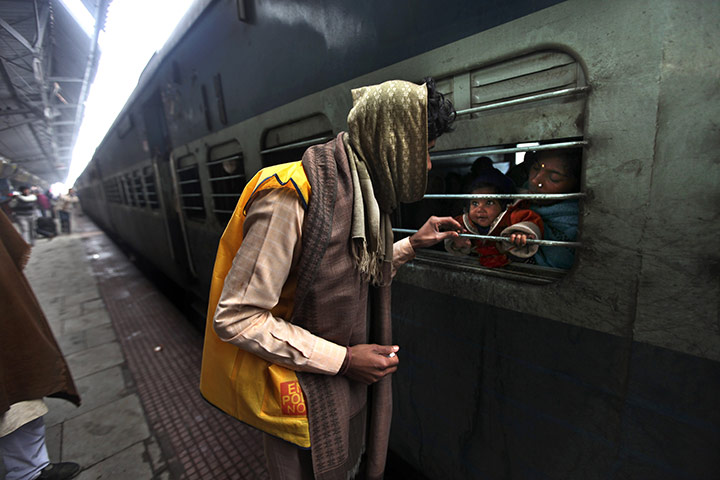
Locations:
(229, 177)
(224, 159)
(187, 182)
(475, 153)
(222, 211)
(290, 146)
(186, 169)
(191, 194)
(510, 196)
(186, 207)
(546, 243)
(528, 99)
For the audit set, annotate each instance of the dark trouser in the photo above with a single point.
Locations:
(64, 221)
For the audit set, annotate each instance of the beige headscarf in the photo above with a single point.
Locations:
(387, 148)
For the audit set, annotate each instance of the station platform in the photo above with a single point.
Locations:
(136, 362)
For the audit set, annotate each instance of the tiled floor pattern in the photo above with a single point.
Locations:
(163, 352)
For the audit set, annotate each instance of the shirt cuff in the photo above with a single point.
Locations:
(403, 252)
(327, 357)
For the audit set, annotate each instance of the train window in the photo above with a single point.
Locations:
(226, 169)
(189, 187)
(288, 142)
(515, 117)
(112, 190)
(127, 183)
(138, 189)
(149, 180)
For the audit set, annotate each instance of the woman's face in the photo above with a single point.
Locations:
(483, 211)
(549, 175)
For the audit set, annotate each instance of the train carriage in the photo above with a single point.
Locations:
(609, 369)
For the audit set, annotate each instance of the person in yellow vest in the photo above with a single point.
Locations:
(298, 337)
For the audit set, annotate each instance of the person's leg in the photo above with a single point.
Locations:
(64, 221)
(31, 228)
(286, 461)
(25, 222)
(24, 451)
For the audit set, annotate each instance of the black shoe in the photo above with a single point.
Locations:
(59, 471)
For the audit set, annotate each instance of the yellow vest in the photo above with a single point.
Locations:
(261, 394)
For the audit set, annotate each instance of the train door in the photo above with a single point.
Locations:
(158, 146)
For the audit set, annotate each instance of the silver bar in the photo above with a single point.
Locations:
(475, 153)
(512, 196)
(229, 177)
(185, 169)
(223, 211)
(186, 182)
(18, 36)
(546, 243)
(66, 80)
(184, 195)
(192, 208)
(290, 146)
(232, 157)
(518, 101)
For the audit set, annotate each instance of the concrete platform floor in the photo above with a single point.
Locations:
(136, 362)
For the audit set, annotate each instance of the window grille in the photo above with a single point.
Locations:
(226, 171)
(288, 142)
(505, 110)
(149, 179)
(112, 190)
(190, 188)
(138, 189)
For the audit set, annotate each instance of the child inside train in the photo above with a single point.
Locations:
(496, 217)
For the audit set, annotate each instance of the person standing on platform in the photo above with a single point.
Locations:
(44, 204)
(307, 254)
(24, 206)
(65, 206)
(31, 367)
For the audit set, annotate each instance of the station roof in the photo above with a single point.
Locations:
(47, 63)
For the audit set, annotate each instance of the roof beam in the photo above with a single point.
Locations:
(65, 79)
(41, 21)
(16, 35)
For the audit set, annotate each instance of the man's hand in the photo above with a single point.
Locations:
(435, 230)
(369, 362)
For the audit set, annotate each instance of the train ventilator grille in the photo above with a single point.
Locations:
(226, 174)
(189, 187)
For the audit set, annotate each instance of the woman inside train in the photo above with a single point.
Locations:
(556, 171)
(496, 217)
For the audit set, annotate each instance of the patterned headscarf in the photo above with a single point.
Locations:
(387, 145)
(388, 131)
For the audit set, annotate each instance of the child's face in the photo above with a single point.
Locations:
(483, 211)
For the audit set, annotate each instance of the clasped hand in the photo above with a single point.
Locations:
(370, 362)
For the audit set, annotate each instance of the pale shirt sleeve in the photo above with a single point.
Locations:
(270, 250)
(403, 252)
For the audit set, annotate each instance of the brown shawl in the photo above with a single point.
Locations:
(31, 363)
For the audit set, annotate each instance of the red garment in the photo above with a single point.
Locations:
(489, 255)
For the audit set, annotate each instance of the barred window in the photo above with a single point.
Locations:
(226, 170)
(189, 187)
(150, 189)
(509, 114)
(288, 142)
(138, 189)
(112, 190)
